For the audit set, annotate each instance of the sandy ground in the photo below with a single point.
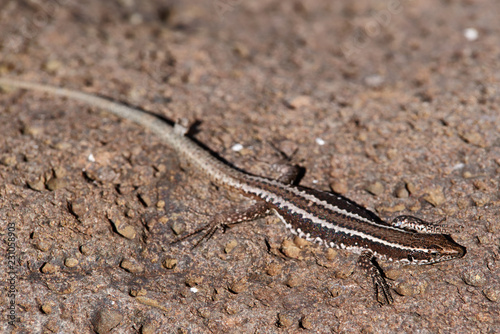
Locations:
(394, 104)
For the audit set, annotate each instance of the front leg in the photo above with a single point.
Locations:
(382, 290)
(228, 219)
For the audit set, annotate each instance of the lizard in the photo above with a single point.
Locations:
(323, 217)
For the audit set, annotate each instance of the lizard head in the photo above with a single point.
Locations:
(438, 248)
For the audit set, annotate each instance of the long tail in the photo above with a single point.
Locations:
(148, 121)
(201, 159)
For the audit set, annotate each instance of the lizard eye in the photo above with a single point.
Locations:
(436, 250)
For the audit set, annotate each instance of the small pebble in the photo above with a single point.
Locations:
(331, 254)
(293, 281)
(471, 34)
(362, 137)
(42, 244)
(169, 263)
(8, 160)
(289, 248)
(121, 227)
(238, 286)
(60, 172)
(480, 185)
(106, 320)
(55, 183)
(78, 207)
(126, 231)
(32, 130)
(242, 50)
(149, 328)
(415, 206)
(237, 147)
(493, 294)
(320, 141)
(151, 223)
(301, 243)
(46, 308)
(401, 191)
(178, 228)
(85, 249)
(474, 138)
(405, 289)
(130, 213)
(411, 187)
(52, 65)
(37, 184)
(63, 146)
(288, 147)
(230, 246)
(48, 268)
(410, 287)
(376, 188)
(435, 196)
(145, 199)
(284, 320)
(160, 204)
(138, 292)
(70, 262)
(340, 187)
(298, 102)
(393, 273)
(306, 322)
(474, 278)
(467, 175)
(131, 267)
(125, 189)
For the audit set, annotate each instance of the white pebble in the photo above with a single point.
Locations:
(237, 147)
(471, 34)
(320, 141)
(91, 158)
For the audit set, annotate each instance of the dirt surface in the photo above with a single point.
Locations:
(394, 104)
